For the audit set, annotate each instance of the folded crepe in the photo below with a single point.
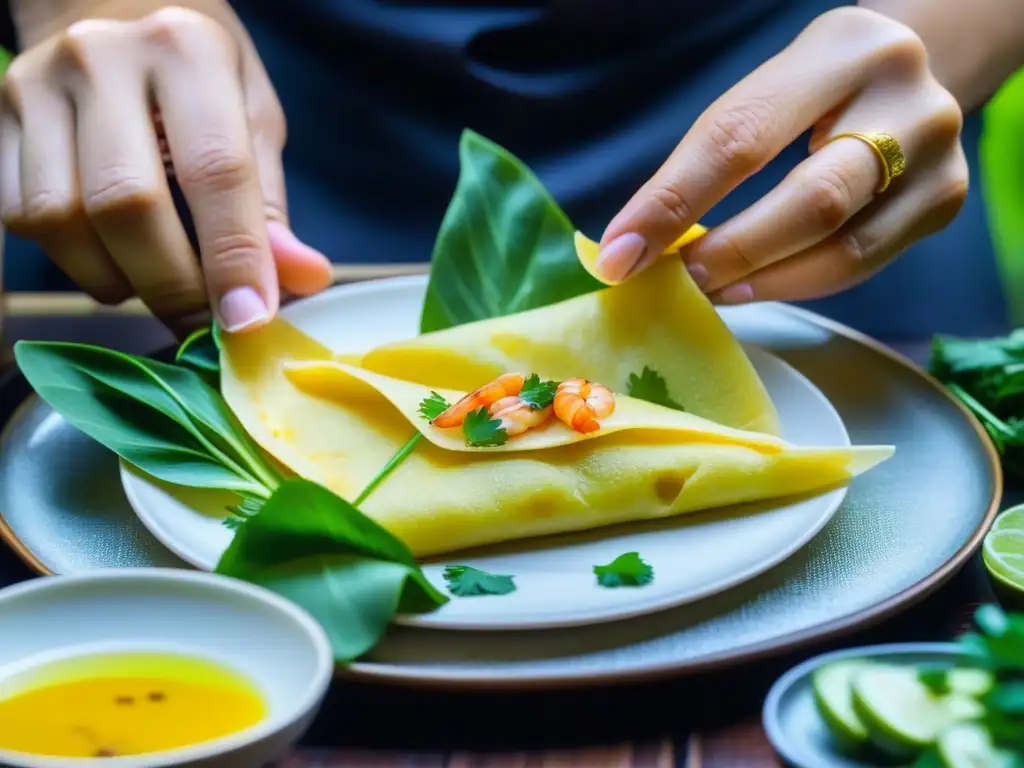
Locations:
(339, 420)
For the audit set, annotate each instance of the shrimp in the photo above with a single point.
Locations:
(580, 403)
(506, 385)
(517, 415)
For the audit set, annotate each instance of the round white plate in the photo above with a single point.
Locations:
(693, 556)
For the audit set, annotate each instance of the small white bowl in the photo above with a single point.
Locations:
(279, 647)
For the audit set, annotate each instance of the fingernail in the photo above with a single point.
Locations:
(618, 257)
(241, 308)
(739, 293)
(699, 273)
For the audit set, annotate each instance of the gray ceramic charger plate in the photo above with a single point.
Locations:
(791, 719)
(903, 530)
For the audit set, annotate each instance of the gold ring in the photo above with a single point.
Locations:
(888, 151)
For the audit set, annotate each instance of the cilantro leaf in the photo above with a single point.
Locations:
(482, 431)
(628, 570)
(433, 406)
(536, 393)
(464, 581)
(650, 385)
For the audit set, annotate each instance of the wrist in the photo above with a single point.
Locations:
(37, 20)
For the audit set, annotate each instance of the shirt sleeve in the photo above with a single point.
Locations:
(8, 35)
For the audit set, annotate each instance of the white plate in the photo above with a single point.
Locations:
(694, 556)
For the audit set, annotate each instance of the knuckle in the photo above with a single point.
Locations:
(950, 198)
(49, 209)
(904, 52)
(218, 167)
(77, 48)
(120, 191)
(946, 118)
(173, 296)
(829, 198)
(736, 252)
(738, 137)
(853, 250)
(180, 30)
(19, 76)
(234, 253)
(673, 203)
(110, 293)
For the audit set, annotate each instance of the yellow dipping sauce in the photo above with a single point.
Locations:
(123, 704)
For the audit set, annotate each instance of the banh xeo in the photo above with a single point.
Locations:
(536, 401)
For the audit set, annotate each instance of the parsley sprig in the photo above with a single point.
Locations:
(538, 394)
(465, 581)
(651, 386)
(482, 431)
(627, 570)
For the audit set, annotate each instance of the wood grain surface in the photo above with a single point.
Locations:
(705, 722)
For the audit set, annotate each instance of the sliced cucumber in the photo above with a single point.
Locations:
(902, 715)
(968, 745)
(833, 696)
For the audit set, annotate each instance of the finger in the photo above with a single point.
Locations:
(196, 82)
(10, 169)
(811, 203)
(745, 129)
(53, 213)
(872, 239)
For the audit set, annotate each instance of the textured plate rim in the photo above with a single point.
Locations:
(769, 711)
(820, 633)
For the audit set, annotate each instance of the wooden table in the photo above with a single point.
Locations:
(706, 722)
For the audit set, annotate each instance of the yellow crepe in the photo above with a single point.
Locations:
(339, 424)
(658, 319)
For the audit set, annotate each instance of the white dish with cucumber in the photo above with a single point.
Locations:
(925, 705)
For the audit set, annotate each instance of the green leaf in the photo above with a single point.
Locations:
(504, 245)
(934, 677)
(164, 419)
(992, 621)
(482, 431)
(628, 570)
(318, 550)
(538, 394)
(1007, 698)
(199, 351)
(651, 386)
(433, 406)
(464, 581)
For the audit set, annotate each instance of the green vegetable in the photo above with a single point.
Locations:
(482, 431)
(987, 375)
(504, 245)
(200, 351)
(651, 386)
(968, 745)
(319, 551)
(628, 570)
(430, 408)
(464, 581)
(832, 686)
(538, 394)
(164, 419)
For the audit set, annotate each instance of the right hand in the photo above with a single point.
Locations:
(82, 173)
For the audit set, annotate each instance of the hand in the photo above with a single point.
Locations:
(825, 227)
(82, 173)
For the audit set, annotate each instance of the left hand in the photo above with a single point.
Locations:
(826, 227)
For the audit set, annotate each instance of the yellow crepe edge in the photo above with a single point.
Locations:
(587, 250)
(325, 379)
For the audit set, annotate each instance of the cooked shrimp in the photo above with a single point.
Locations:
(506, 385)
(580, 403)
(517, 415)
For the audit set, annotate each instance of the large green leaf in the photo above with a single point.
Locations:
(163, 419)
(319, 551)
(504, 245)
(200, 351)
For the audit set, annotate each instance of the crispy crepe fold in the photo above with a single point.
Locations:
(339, 420)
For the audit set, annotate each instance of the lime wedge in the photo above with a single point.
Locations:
(968, 745)
(833, 697)
(904, 717)
(1003, 553)
(1011, 519)
(969, 682)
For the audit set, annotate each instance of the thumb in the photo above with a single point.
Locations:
(301, 270)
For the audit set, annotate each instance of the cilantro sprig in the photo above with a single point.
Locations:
(626, 570)
(433, 406)
(651, 386)
(465, 581)
(538, 394)
(482, 431)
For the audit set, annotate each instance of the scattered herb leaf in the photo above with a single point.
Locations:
(504, 244)
(628, 570)
(935, 677)
(464, 581)
(482, 431)
(651, 386)
(433, 406)
(538, 394)
(319, 551)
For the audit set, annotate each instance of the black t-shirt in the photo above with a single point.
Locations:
(591, 94)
